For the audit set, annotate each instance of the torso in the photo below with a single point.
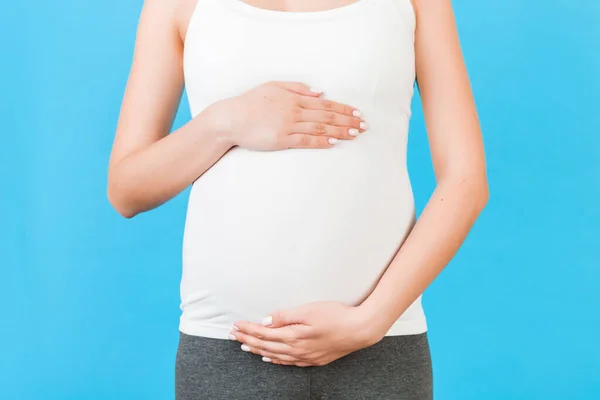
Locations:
(272, 230)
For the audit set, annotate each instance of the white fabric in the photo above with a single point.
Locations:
(274, 230)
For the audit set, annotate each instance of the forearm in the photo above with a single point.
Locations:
(436, 237)
(151, 176)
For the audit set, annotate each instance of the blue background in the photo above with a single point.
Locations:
(89, 300)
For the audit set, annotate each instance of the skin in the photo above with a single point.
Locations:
(148, 167)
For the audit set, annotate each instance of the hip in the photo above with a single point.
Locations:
(211, 319)
(397, 367)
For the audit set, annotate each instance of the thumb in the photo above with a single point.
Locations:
(299, 88)
(278, 319)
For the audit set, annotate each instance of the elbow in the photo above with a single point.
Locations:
(479, 192)
(474, 190)
(119, 203)
(483, 195)
(119, 199)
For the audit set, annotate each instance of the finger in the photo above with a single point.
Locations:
(295, 364)
(269, 355)
(282, 334)
(273, 357)
(291, 316)
(263, 345)
(329, 105)
(301, 364)
(321, 129)
(332, 118)
(303, 141)
(298, 87)
(279, 362)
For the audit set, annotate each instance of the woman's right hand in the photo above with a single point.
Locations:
(283, 115)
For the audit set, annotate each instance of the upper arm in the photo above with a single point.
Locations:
(448, 105)
(155, 81)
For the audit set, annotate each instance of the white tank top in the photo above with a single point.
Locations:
(272, 230)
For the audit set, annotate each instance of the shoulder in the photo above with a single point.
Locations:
(173, 15)
(428, 6)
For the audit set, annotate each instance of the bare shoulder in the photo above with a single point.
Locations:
(431, 6)
(172, 14)
(183, 14)
(430, 3)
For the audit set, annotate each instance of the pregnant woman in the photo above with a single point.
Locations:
(303, 262)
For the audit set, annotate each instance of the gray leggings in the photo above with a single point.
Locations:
(396, 368)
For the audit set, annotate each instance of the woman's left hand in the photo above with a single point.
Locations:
(314, 334)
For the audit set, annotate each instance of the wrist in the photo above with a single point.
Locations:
(220, 123)
(372, 326)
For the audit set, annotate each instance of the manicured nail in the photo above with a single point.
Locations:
(235, 328)
(315, 90)
(353, 132)
(245, 348)
(266, 359)
(356, 113)
(364, 126)
(332, 140)
(232, 336)
(268, 320)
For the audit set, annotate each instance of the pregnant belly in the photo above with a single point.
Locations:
(266, 231)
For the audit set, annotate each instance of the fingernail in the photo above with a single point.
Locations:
(266, 359)
(356, 113)
(332, 140)
(315, 90)
(364, 126)
(245, 348)
(268, 320)
(353, 132)
(232, 337)
(236, 328)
